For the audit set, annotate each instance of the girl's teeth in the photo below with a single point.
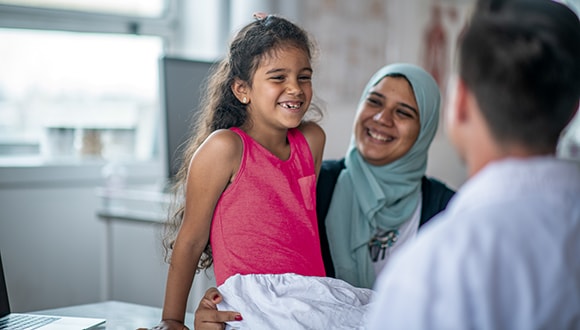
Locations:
(291, 106)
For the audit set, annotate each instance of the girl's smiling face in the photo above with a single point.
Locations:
(387, 122)
(281, 88)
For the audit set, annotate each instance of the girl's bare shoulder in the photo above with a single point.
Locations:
(311, 129)
(313, 133)
(222, 144)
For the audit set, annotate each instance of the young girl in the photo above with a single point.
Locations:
(249, 174)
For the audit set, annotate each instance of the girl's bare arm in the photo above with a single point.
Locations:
(211, 169)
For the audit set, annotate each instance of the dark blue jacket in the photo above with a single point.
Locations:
(435, 196)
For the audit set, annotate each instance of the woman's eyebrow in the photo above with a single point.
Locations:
(379, 95)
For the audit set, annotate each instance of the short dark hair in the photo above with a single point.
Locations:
(521, 59)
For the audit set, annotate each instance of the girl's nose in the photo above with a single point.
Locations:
(294, 88)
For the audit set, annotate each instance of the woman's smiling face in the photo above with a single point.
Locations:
(387, 123)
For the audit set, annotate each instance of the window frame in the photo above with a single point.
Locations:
(36, 18)
(164, 26)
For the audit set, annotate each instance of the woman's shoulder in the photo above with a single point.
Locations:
(333, 165)
(432, 185)
(329, 172)
(435, 197)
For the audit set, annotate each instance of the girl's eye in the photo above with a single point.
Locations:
(305, 78)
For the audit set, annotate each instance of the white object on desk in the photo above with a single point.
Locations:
(119, 315)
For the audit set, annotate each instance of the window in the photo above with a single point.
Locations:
(60, 88)
(77, 84)
(126, 7)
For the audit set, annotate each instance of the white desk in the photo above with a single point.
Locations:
(119, 315)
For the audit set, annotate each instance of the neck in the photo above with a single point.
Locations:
(274, 140)
(266, 135)
(492, 152)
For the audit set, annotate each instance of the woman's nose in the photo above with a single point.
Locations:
(383, 117)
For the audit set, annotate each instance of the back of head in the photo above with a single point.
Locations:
(521, 59)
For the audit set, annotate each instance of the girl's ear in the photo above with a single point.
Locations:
(240, 90)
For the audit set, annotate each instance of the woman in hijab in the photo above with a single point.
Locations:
(375, 199)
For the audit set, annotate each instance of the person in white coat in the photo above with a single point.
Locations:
(505, 254)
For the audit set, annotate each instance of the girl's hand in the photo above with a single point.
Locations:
(207, 317)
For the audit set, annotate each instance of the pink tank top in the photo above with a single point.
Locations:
(265, 221)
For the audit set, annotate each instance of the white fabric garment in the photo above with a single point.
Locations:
(290, 301)
(504, 255)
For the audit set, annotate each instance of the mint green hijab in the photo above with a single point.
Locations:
(367, 197)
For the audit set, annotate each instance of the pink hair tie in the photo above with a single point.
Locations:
(260, 15)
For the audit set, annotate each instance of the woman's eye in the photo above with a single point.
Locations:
(277, 77)
(305, 78)
(374, 102)
(405, 113)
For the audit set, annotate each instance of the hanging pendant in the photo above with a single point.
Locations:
(379, 243)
